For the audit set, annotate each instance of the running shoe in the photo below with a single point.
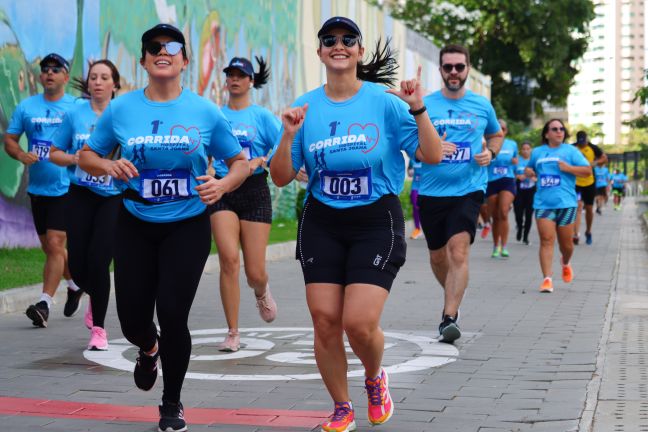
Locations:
(526, 241)
(146, 370)
(171, 417)
(588, 238)
(497, 251)
(485, 231)
(38, 313)
(232, 342)
(380, 405)
(87, 317)
(598, 210)
(576, 239)
(98, 339)
(449, 329)
(505, 253)
(546, 286)
(567, 272)
(73, 302)
(342, 419)
(416, 234)
(518, 234)
(267, 306)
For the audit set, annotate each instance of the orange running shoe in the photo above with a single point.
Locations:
(342, 419)
(567, 272)
(380, 407)
(547, 285)
(416, 234)
(485, 231)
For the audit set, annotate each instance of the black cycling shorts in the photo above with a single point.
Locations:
(48, 212)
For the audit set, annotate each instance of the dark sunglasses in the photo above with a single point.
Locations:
(557, 129)
(154, 47)
(54, 69)
(347, 40)
(459, 67)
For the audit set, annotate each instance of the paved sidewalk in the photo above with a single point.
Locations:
(527, 361)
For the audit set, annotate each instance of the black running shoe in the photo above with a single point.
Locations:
(518, 234)
(171, 417)
(38, 313)
(146, 370)
(73, 302)
(449, 330)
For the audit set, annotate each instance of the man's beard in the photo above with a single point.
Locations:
(456, 87)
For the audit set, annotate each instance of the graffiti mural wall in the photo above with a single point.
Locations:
(282, 31)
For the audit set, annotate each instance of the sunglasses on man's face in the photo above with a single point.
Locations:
(154, 47)
(53, 69)
(347, 40)
(459, 67)
(557, 129)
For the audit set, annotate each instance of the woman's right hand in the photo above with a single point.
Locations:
(293, 118)
(122, 169)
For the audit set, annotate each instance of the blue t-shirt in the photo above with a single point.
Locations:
(257, 130)
(466, 121)
(415, 165)
(619, 180)
(352, 149)
(602, 175)
(502, 166)
(39, 119)
(556, 189)
(527, 183)
(70, 137)
(168, 142)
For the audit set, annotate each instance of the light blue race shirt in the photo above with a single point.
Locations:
(556, 189)
(257, 130)
(466, 121)
(602, 175)
(527, 183)
(352, 149)
(39, 119)
(619, 180)
(71, 137)
(502, 166)
(415, 165)
(168, 142)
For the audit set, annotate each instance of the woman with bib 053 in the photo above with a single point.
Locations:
(93, 201)
(349, 134)
(556, 166)
(165, 134)
(244, 216)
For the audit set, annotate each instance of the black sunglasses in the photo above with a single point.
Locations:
(557, 129)
(347, 40)
(54, 69)
(154, 47)
(459, 67)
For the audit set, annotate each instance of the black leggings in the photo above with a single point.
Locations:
(91, 220)
(523, 206)
(159, 265)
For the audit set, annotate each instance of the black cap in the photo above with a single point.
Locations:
(55, 58)
(581, 137)
(339, 22)
(241, 64)
(164, 30)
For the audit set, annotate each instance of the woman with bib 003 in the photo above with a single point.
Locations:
(349, 134)
(93, 202)
(244, 216)
(165, 134)
(556, 165)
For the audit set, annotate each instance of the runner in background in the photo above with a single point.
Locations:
(523, 203)
(603, 177)
(619, 181)
(414, 171)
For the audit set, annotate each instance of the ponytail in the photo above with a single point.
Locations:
(382, 65)
(261, 77)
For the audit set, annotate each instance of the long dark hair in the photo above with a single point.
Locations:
(82, 84)
(381, 67)
(545, 129)
(263, 75)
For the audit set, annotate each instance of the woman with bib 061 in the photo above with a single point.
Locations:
(556, 166)
(244, 216)
(349, 134)
(93, 201)
(165, 134)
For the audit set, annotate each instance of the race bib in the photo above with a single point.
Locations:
(500, 170)
(85, 179)
(527, 184)
(346, 185)
(247, 149)
(41, 149)
(164, 185)
(460, 155)
(549, 180)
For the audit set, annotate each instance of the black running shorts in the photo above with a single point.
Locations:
(443, 217)
(586, 193)
(251, 201)
(363, 244)
(48, 212)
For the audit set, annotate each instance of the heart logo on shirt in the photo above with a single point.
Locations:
(192, 133)
(245, 132)
(369, 130)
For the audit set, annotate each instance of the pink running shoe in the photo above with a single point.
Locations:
(380, 407)
(342, 419)
(267, 306)
(88, 315)
(98, 339)
(232, 342)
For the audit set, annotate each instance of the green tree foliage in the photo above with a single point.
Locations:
(528, 47)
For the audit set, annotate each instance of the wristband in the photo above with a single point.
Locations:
(492, 153)
(418, 111)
